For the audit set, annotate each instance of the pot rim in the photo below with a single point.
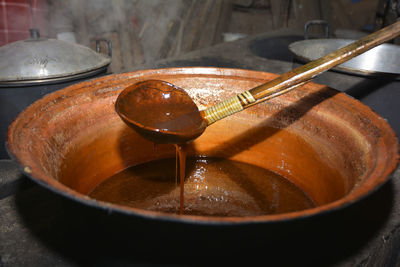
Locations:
(361, 192)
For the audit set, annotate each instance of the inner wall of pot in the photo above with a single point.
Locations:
(308, 158)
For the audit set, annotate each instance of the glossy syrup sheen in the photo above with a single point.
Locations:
(160, 112)
(213, 187)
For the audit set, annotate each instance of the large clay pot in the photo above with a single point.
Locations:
(333, 147)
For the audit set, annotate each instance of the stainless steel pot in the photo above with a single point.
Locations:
(383, 60)
(43, 61)
(31, 68)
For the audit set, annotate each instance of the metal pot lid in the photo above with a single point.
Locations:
(383, 60)
(42, 60)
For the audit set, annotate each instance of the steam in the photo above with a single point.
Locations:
(141, 31)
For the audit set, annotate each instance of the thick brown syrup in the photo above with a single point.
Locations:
(164, 113)
(181, 163)
(212, 187)
(160, 112)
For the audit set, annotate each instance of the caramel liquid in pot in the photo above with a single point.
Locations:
(212, 187)
(164, 113)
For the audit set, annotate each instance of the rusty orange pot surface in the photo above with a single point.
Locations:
(329, 145)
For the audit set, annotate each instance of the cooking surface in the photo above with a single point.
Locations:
(40, 228)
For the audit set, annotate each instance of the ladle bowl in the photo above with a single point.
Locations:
(333, 147)
(152, 103)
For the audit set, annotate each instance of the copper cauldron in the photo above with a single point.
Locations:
(333, 147)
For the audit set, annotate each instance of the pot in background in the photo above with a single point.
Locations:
(31, 68)
(381, 61)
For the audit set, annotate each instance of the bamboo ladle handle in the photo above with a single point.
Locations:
(298, 76)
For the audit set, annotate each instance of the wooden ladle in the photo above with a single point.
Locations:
(164, 113)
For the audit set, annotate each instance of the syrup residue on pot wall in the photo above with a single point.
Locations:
(232, 179)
